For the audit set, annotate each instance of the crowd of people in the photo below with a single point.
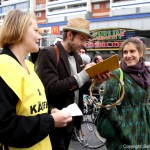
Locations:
(31, 100)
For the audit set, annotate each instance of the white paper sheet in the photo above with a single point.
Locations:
(73, 109)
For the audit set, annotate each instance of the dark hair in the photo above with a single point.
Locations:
(83, 47)
(96, 58)
(64, 35)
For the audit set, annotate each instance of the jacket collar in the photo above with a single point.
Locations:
(7, 51)
(64, 56)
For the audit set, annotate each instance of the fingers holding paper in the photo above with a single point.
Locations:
(61, 119)
(54, 110)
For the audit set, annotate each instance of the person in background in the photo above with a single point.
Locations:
(98, 90)
(24, 119)
(82, 50)
(86, 59)
(130, 120)
(63, 80)
(98, 58)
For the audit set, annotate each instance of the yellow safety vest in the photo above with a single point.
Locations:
(30, 91)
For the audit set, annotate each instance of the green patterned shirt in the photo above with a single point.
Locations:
(131, 119)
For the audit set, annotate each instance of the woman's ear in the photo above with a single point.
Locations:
(141, 55)
(141, 58)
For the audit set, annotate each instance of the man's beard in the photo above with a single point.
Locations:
(73, 47)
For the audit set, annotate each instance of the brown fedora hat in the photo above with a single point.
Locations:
(78, 25)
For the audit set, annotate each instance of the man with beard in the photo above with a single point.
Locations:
(60, 69)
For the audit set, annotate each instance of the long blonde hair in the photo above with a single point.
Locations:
(14, 26)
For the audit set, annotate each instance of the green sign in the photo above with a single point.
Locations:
(115, 34)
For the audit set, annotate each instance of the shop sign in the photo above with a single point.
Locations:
(100, 44)
(55, 30)
(114, 34)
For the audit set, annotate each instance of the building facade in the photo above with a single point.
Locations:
(104, 15)
(40, 10)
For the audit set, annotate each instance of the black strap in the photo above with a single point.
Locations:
(1, 146)
(6, 147)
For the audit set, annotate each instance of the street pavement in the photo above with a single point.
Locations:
(75, 145)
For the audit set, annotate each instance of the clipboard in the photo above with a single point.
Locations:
(106, 65)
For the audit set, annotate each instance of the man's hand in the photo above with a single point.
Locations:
(61, 119)
(89, 65)
(103, 77)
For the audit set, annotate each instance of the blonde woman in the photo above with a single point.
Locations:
(24, 119)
